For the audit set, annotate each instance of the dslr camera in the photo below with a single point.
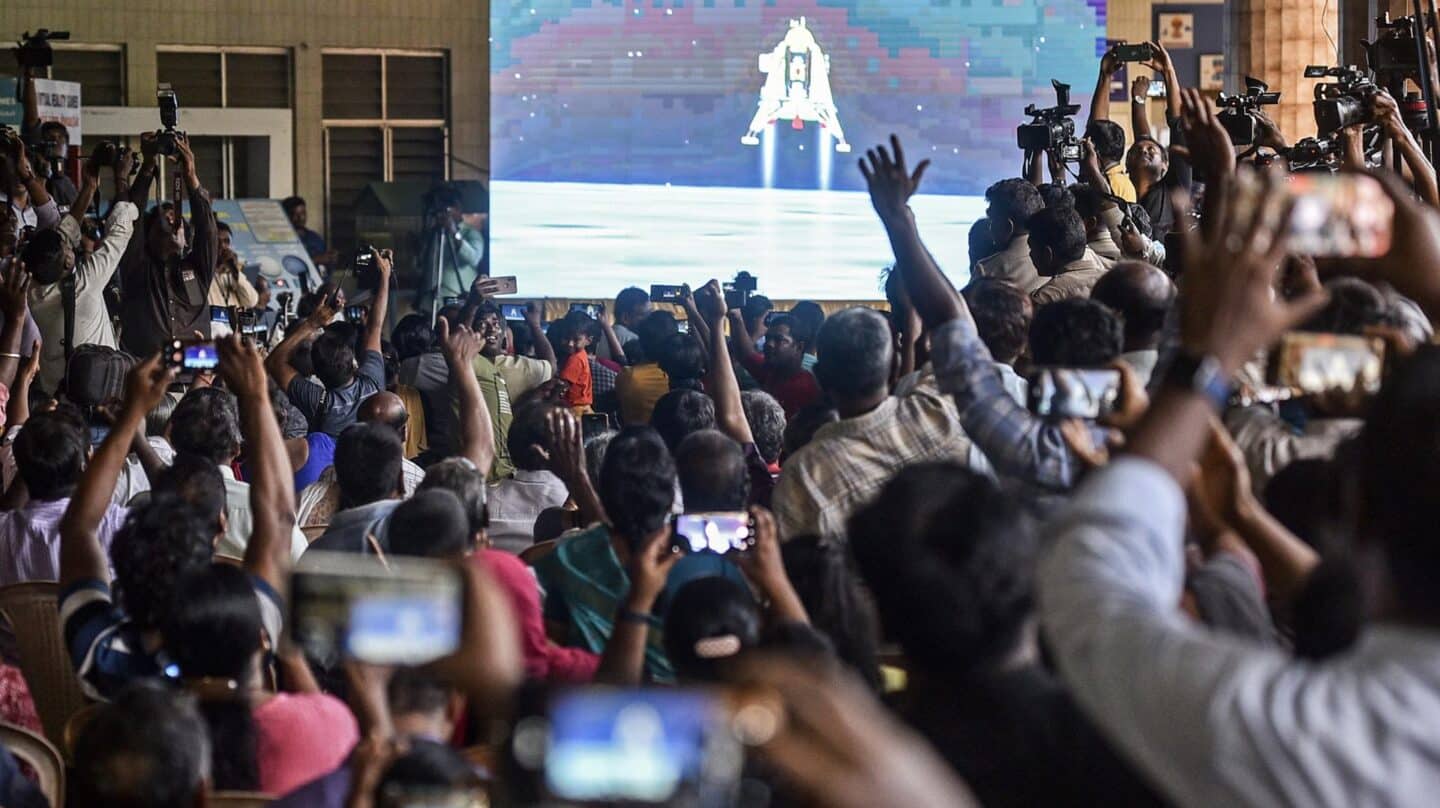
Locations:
(1344, 102)
(35, 50)
(169, 119)
(1053, 129)
(1237, 112)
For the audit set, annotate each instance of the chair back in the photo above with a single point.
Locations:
(75, 726)
(238, 799)
(41, 756)
(532, 554)
(34, 614)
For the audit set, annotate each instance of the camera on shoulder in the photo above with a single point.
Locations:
(1053, 128)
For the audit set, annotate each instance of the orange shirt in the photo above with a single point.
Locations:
(576, 371)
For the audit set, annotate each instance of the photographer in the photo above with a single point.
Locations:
(51, 138)
(167, 288)
(21, 188)
(1107, 135)
(231, 287)
(461, 248)
(1407, 150)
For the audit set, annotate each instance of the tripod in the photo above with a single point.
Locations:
(444, 245)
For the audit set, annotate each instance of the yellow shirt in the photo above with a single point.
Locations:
(639, 387)
(1120, 183)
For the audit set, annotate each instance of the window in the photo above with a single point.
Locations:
(386, 118)
(100, 69)
(231, 166)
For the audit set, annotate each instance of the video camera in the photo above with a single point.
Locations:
(169, 119)
(1314, 153)
(1395, 48)
(35, 50)
(738, 291)
(1346, 101)
(1053, 129)
(1237, 112)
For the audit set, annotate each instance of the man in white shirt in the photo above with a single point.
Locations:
(50, 257)
(516, 502)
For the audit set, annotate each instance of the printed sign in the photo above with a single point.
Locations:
(60, 101)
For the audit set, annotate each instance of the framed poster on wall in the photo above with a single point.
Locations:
(1212, 72)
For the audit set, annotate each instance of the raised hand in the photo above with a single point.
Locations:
(710, 301)
(14, 291)
(242, 367)
(567, 447)
(147, 384)
(1210, 148)
(890, 181)
(325, 310)
(183, 153)
(460, 344)
(31, 366)
(648, 570)
(1140, 87)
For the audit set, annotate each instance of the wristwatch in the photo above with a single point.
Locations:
(1140, 99)
(1201, 375)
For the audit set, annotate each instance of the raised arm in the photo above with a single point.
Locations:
(272, 482)
(89, 184)
(765, 568)
(1140, 108)
(1165, 68)
(1100, 101)
(623, 662)
(39, 197)
(720, 383)
(607, 325)
(544, 351)
(477, 435)
(1387, 112)
(375, 323)
(17, 411)
(139, 191)
(740, 336)
(697, 322)
(206, 250)
(14, 291)
(567, 461)
(277, 364)
(81, 556)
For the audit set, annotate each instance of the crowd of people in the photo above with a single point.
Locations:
(943, 594)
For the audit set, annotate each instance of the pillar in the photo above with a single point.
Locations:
(1274, 41)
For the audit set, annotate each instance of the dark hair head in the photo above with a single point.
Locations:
(460, 477)
(1399, 474)
(149, 748)
(630, 300)
(44, 256)
(431, 524)
(807, 318)
(1076, 333)
(1109, 140)
(654, 331)
(826, 582)
(412, 336)
(856, 351)
(1055, 195)
(50, 456)
(1014, 199)
(712, 471)
(412, 691)
(801, 429)
(1142, 295)
(333, 354)
(290, 203)
(368, 464)
(1354, 305)
(637, 483)
(683, 360)
(195, 480)
(949, 557)
(1002, 313)
(206, 422)
(1089, 200)
(428, 770)
(982, 243)
(1060, 229)
(767, 423)
(709, 621)
(800, 331)
(679, 413)
(756, 307)
(213, 631)
(159, 543)
(529, 438)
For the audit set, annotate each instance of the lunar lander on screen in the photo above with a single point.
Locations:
(797, 87)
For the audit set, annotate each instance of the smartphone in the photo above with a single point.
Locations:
(355, 314)
(603, 746)
(1074, 392)
(512, 311)
(220, 323)
(457, 302)
(404, 612)
(717, 532)
(593, 310)
(192, 355)
(505, 285)
(666, 293)
(1157, 89)
(684, 326)
(1136, 52)
(1309, 363)
(596, 423)
(1339, 215)
(98, 434)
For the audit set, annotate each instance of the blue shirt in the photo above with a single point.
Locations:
(322, 455)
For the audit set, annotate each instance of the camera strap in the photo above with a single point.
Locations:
(67, 302)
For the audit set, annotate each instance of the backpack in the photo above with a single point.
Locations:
(95, 374)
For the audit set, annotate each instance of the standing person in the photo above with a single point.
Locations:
(231, 287)
(781, 370)
(1058, 251)
(631, 306)
(314, 243)
(1011, 203)
(167, 288)
(461, 249)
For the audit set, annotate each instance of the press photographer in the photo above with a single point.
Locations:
(49, 141)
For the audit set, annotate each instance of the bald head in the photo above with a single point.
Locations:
(1143, 295)
(385, 408)
(711, 468)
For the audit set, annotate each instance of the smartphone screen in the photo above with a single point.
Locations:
(1339, 215)
(593, 310)
(512, 311)
(637, 746)
(683, 326)
(220, 324)
(1157, 89)
(199, 356)
(1310, 364)
(346, 605)
(666, 293)
(716, 532)
(505, 285)
(594, 424)
(1074, 392)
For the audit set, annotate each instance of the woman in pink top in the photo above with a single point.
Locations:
(260, 741)
(544, 660)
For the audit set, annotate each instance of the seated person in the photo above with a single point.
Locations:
(585, 579)
(149, 749)
(1143, 296)
(515, 503)
(321, 499)
(206, 423)
(1059, 251)
(767, 421)
(1011, 204)
(370, 473)
(643, 383)
(680, 413)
